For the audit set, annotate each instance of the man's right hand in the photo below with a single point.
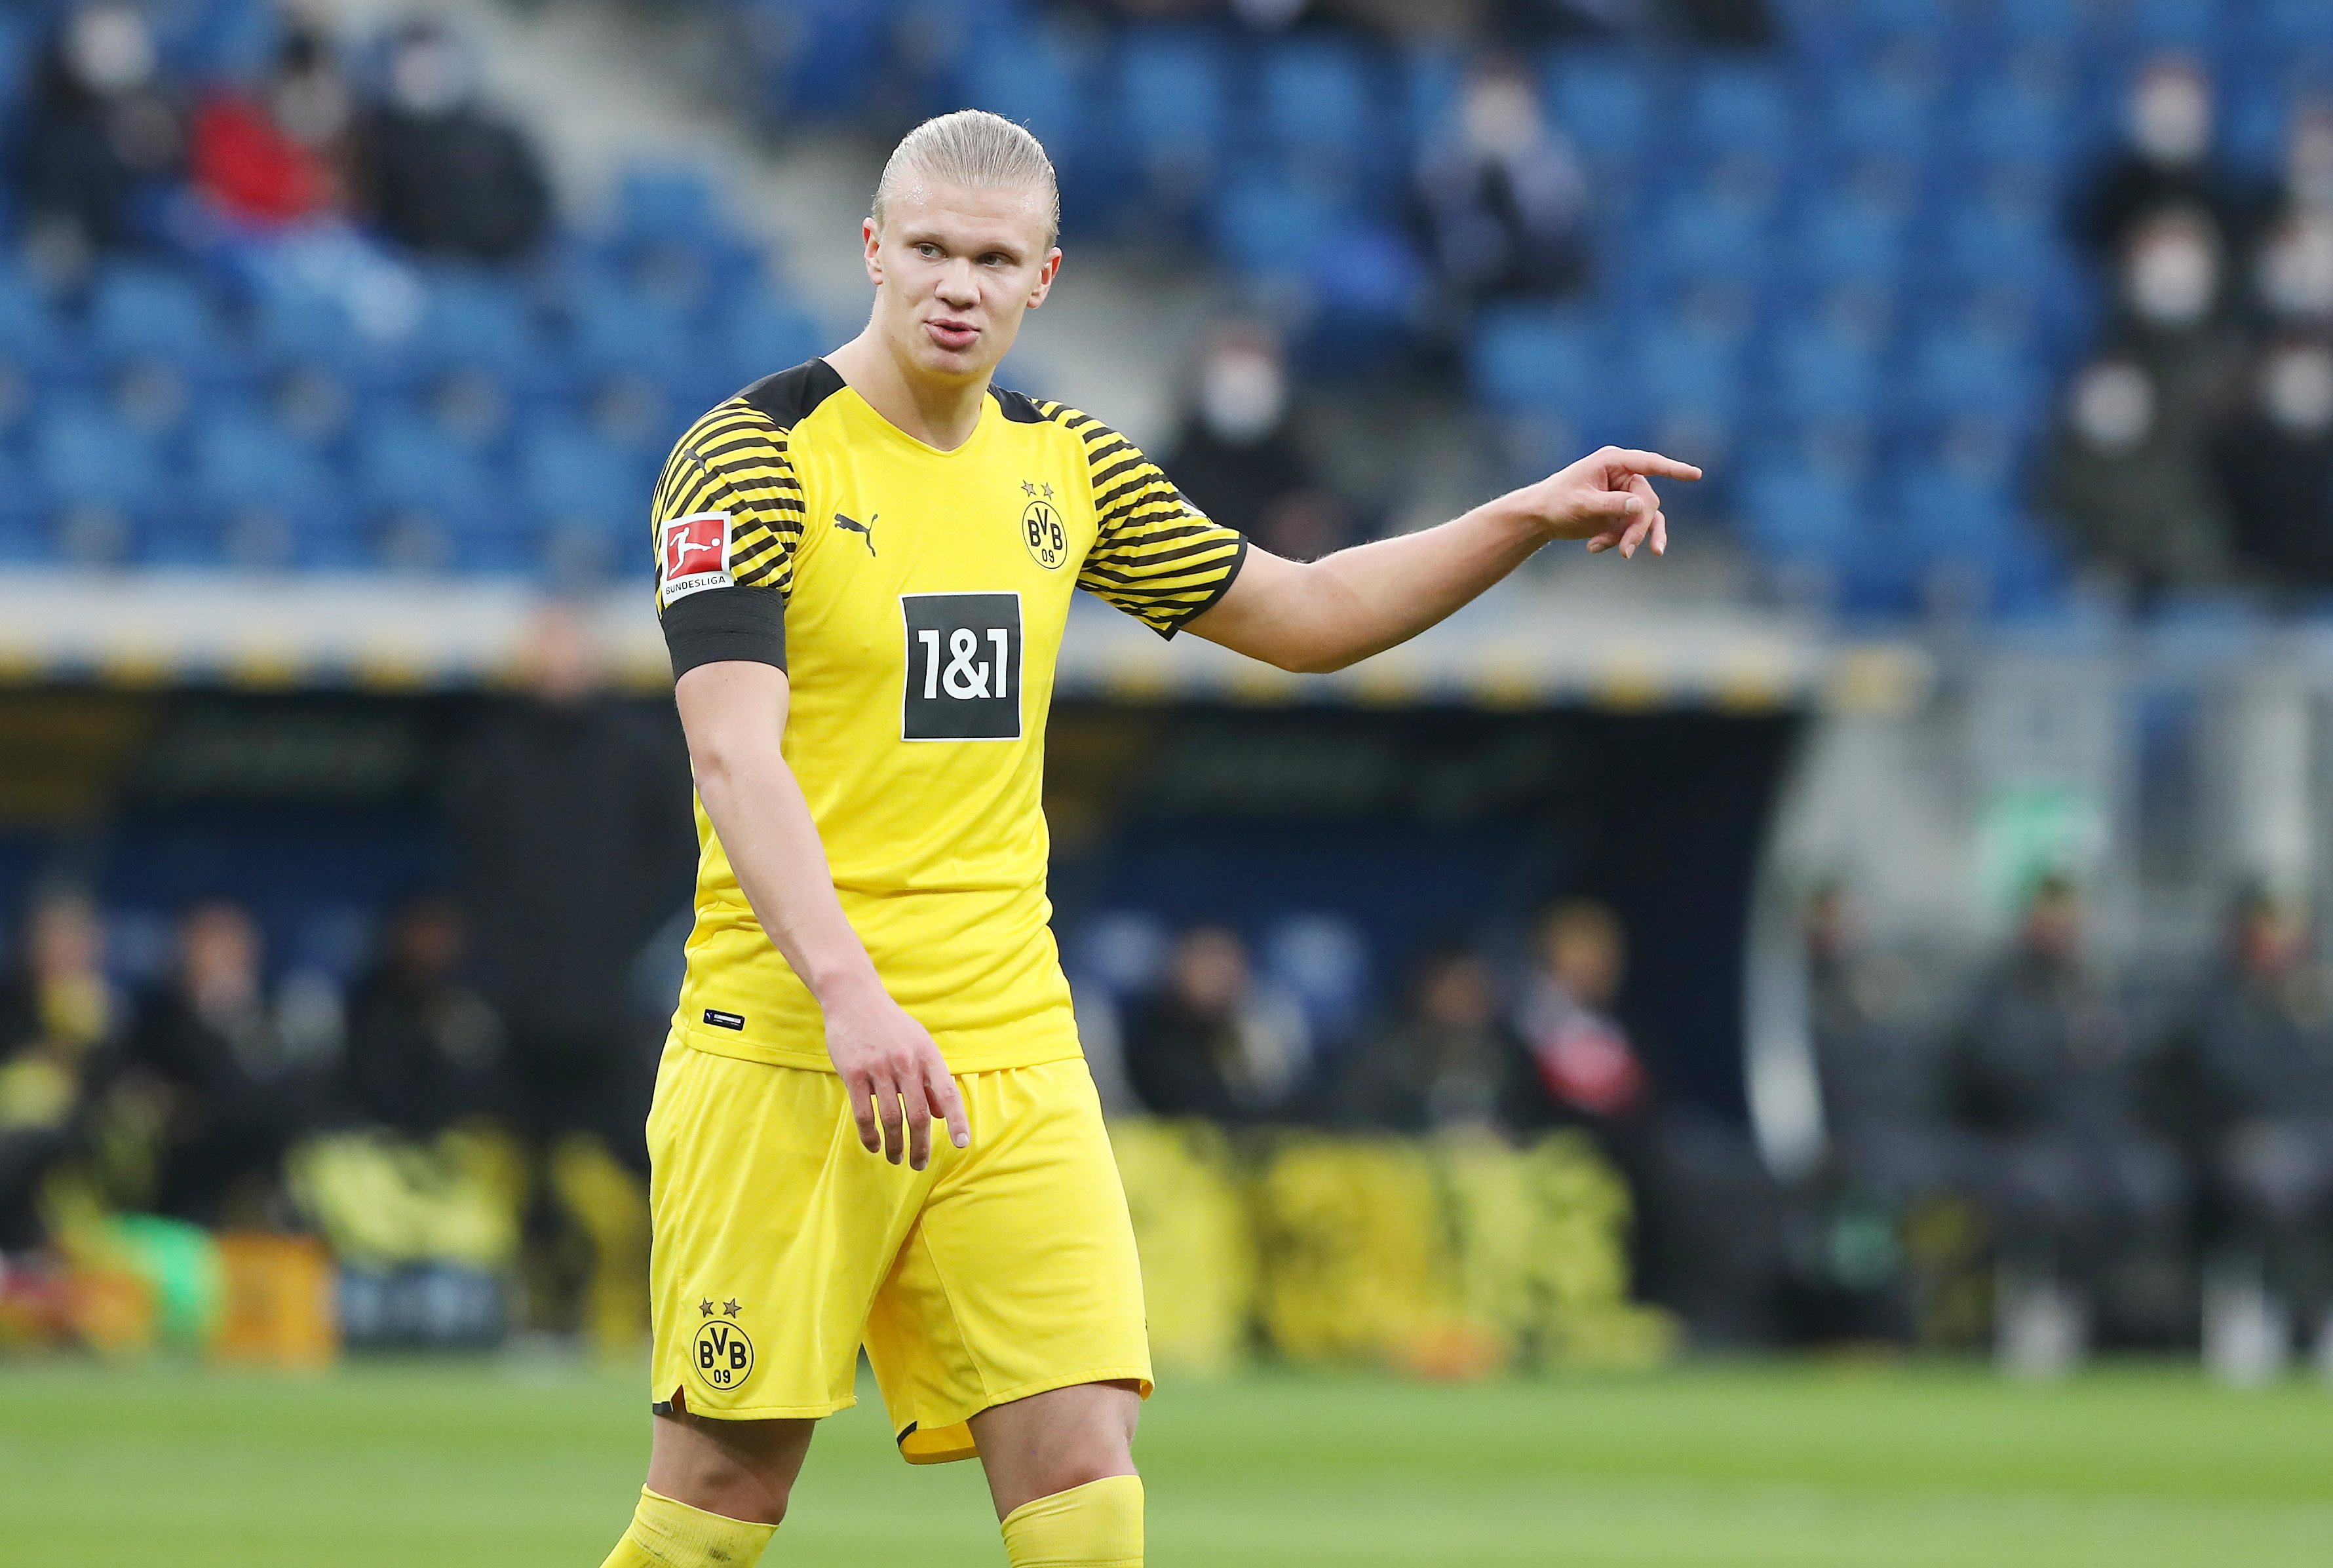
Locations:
(896, 1076)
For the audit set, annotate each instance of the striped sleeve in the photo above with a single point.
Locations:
(728, 518)
(1154, 555)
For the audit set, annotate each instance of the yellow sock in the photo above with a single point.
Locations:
(1096, 1525)
(668, 1535)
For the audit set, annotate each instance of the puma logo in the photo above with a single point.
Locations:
(866, 530)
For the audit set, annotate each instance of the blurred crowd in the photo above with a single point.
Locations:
(472, 1097)
(1743, 22)
(2133, 1150)
(116, 150)
(2195, 445)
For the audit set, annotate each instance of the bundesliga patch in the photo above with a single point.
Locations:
(693, 555)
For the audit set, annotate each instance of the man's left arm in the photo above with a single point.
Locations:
(1321, 616)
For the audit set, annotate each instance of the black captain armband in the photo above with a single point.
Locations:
(744, 625)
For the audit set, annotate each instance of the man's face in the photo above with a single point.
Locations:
(955, 270)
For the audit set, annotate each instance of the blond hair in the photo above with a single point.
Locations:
(977, 148)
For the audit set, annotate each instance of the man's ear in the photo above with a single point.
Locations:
(871, 237)
(1045, 276)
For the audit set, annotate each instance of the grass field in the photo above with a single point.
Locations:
(1810, 1465)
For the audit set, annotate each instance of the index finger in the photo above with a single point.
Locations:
(1636, 462)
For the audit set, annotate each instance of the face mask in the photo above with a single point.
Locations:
(2172, 279)
(2172, 119)
(2296, 391)
(1502, 121)
(109, 51)
(430, 77)
(2114, 407)
(1241, 396)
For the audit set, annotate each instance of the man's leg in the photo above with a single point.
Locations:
(1060, 1470)
(716, 1492)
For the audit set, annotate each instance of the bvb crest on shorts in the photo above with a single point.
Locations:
(725, 1356)
(1043, 531)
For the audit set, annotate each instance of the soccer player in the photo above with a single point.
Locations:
(864, 567)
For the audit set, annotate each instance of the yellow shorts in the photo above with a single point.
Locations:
(782, 1245)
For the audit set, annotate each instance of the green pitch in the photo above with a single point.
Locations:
(1793, 1466)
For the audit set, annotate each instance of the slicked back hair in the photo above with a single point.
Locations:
(974, 148)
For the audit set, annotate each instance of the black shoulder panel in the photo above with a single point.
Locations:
(1017, 406)
(788, 397)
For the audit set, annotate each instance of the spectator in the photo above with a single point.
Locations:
(1500, 194)
(1579, 1051)
(2273, 462)
(2257, 1069)
(570, 816)
(278, 154)
(1210, 1042)
(423, 1047)
(440, 174)
(58, 1015)
(2168, 164)
(101, 137)
(228, 1068)
(2128, 474)
(1238, 459)
(1451, 1061)
(2292, 278)
(2083, 1198)
(1878, 1101)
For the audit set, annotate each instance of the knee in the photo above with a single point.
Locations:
(735, 1469)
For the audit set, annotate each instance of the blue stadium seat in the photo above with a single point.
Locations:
(1998, 244)
(34, 344)
(1322, 111)
(763, 334)
(2190, 24)
(655, 203)
(621, 333)
(1604, 104)
(146, 315)
(1961, 373)
(1801, 515)
(1853, 241)
(588, 500)
(2019, 119)
(265, 497)
(1823, 374)
(432, 500)
(1433, 83)
(2282, 28)
(102, 477)
(1733, 109)
(1690, 372)
(1172, 104)
(1717, 232)
(481, 322)
(1324, 962)
(1528, 360)
(1881, 116)
(1272, 227)
(2021, 22)
(299, 329)
(1034, 77)
(820, 58)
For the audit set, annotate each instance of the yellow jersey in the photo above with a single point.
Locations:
(915, 599)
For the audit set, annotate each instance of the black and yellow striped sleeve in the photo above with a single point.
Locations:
(728, 518)
(1154, 555)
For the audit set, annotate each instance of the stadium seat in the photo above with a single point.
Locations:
(1272, 227)
(1527, 359)
(1032, 76)
(264, 497)
(1324, 962)
(102, 477)
(2023, 22)
(1800, 514)
(763, 334)
(1689, 370)
(1322, 111)
(1961, 371)
(2192, 24)
(1171, 104)
(621, 333)
(1604, 104)
(2284, 28)
(480, 323)
(1853, 241)
(1719, 231)
(34, 345)
(1734, 109)
(1883, 115)
(432, 501)
(1824, 373)
(152, 318)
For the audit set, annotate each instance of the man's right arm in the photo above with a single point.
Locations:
(734, 714)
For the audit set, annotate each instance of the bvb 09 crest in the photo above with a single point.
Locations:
(725, 1356)
(1047, 537)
